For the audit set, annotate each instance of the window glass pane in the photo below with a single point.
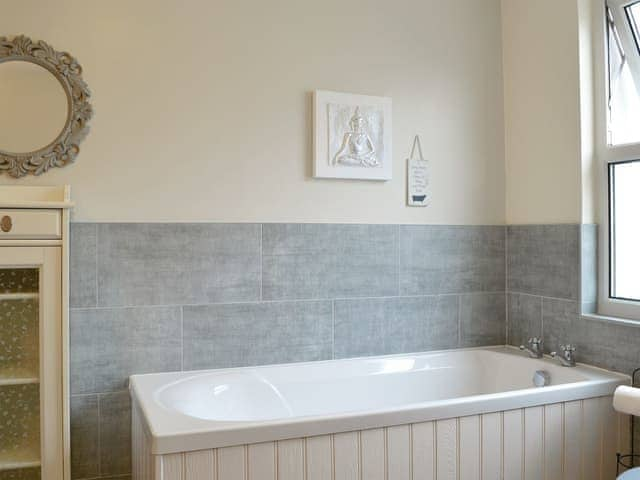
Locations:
(624, 85)
(633, 13)
(625, 230)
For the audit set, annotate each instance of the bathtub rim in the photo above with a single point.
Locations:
(198, 434)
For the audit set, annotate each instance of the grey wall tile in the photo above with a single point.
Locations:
(524, 317)
(482, 319)
(559, 323)
(84, 436)
(115, 433)
(167, 264)
(314, 261)
(109, 345)
(256, 333)
(451, 259)
(377, 326)
(82, 264)
(544, 260)
(607, 344)
(589, 266)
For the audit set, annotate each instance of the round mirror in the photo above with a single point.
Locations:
(34, 107)
(44, 107)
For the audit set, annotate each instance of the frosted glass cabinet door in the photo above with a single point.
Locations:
(31, 442)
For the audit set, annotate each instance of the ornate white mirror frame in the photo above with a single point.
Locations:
(65, 147)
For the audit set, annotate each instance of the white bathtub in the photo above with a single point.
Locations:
(455, 408)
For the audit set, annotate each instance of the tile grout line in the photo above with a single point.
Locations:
(99, 443)
(459, 321)
(182, 338)
(398, 258)
(261, 261)
(292, 300)
(333, 329)
(96, 265)
(97, 394)
(542, 319)
(538, 296)
(506, 286)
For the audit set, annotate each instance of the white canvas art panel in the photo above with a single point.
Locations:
(352, 136)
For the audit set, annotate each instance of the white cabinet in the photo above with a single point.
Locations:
(33, 336)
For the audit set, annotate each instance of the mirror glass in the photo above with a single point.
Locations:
(33, 107)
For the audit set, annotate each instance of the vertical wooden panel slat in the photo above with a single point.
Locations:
(591, 439)
(319, 458)
(470, 447)
(575, 440)
(624, 433)
(553, 442)
(572, 440)
(346, 455)
(136, 446)
(424, 451)
(261, 461)
(372, 454)
(173, 466)
(199, 465)
(399, 452)
(231, 463)
(609, 438)
(491, 466)
(447, 449)
(136, 458)
(290, 459)
(157, 468)
(533, 438)
(513, 435)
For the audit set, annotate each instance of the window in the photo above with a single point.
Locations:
(624, 231)
(624, 73)
(633, 15)
(618, 148)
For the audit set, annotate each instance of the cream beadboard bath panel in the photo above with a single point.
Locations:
(572, 440)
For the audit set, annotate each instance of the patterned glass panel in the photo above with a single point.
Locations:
(21, 474)
(19, 338)
(19, 423)
(19, 383)
(18, 280)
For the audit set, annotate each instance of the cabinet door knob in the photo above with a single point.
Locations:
(6, 224)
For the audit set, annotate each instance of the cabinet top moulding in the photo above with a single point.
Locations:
(19, 196)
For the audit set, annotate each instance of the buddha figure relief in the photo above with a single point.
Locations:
(357, 148)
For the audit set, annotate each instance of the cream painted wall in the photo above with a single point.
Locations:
(542, 111)
(203, 108)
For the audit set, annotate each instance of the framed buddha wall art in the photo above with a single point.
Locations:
(352, 136)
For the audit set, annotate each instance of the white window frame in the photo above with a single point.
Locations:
(606, 153)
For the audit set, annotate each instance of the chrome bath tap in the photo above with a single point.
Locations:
(535, 347)
(566, 356)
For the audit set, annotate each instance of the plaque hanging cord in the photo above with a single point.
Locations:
(416, 143)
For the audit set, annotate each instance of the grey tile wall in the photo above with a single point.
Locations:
(168, 264)
(459, 259)
(482, 319)
(544, 260)
(161, 297)
(589, 268)
(543, 282)
(551, 302)
(236, 335)
(107, 344)
(379, 326)
(303, 261)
